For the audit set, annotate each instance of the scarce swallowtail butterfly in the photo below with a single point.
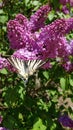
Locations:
(25, 68)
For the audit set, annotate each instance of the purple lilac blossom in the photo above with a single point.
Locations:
(66, 121)
(56, 29)
(3, 63)
(31, 44)
(64, 2)
(66, 5)
(68, 66)
(47, 65)
(71, 47)
(19, 29)
(67, 63)
(48, 43)
(3, 128)
(37, 20)
(63, 47)
(65, 9)
(51, 41)
(18, 36)
(26, 54)
(23, 21)
(71, 2)
(56, 48)
(10, 67)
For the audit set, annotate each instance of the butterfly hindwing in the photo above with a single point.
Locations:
(33, 66)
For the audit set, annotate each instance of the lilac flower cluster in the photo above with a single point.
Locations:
(19, 29)
(33, 39)
(66, 121)
(18, 36)
(48, 43)
(67, 63)
(37, 20)
(45, 43)
(67, 4)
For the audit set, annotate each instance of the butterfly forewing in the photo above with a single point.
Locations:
(19, 65)
(13, 62)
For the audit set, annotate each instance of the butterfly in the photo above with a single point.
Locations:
(25, 68)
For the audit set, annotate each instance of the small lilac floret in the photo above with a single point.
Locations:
(66, 121)
(3, 63)
(3, 128)
(37, 20)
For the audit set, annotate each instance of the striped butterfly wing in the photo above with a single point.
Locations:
(20, 66)
(33, 65)
(25, 68)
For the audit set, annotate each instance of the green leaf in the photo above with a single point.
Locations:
(46, 75)
(1, 11)
(26, 2)
(3, 71)
(53, 92)
(53, 127)
(35, 3)
(3, 19)
(51, 15)
(63, 83)
(4, 28)
(20, 116)
(71, 80)
(39, 125)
